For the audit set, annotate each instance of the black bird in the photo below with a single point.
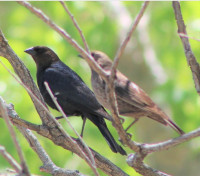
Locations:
(72, 94)
(131, 99)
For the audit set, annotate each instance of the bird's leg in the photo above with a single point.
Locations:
(136, 119)
(59, 117)
(84, 120)
(129, 135)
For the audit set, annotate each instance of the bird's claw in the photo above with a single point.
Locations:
(129, 136)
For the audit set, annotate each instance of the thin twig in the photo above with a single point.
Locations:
(10, 159)
(186, 36)
(14, 137)
(149, 148)
(91, 161)
(127, 38)
(77, 26)
(192, 62)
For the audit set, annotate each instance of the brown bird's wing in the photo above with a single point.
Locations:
(131, 93)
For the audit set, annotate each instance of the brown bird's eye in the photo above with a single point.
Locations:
(92, 54)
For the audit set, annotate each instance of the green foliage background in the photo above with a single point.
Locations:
(177, 96)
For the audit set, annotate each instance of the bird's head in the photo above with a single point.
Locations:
(42, 55)
(102, 59)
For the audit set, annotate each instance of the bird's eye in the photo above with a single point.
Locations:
(39, 50)
(92, 54)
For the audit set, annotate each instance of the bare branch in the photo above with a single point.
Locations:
(192, 62)
(14, 137)
(77, 26)
(149, 148)
(10, 159)
(136, 161)
(90, 160)
(186, 36)
(127, 38)
(16, 120)
(48, 165)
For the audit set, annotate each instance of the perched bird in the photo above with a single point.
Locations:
(72, 94)
(132, 101)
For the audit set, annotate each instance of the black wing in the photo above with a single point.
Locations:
(71, 91)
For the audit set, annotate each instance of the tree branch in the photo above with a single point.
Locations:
(127, 38)
(10, 159)
(149, 148)
(136, 161)
(77, 27)
(48, 165)
(16, 120)
(191, 60)
(14, 137)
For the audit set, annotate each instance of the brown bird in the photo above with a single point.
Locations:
(132, 101)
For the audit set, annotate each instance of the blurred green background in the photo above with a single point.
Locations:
(154, 59)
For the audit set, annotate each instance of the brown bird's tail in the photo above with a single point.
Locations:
(110, 140)
(175, 127)
(164, 119)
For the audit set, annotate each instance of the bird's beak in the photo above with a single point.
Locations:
(80, 56)
(30, 51)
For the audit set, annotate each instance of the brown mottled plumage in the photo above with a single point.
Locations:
(131, 99)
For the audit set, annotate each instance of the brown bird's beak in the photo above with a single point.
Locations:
(80, 56)
(30, 51)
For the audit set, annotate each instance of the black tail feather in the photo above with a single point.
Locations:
(110, 140)
(101, 124)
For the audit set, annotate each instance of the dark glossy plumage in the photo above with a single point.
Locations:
(72, 94)
(131, 99)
